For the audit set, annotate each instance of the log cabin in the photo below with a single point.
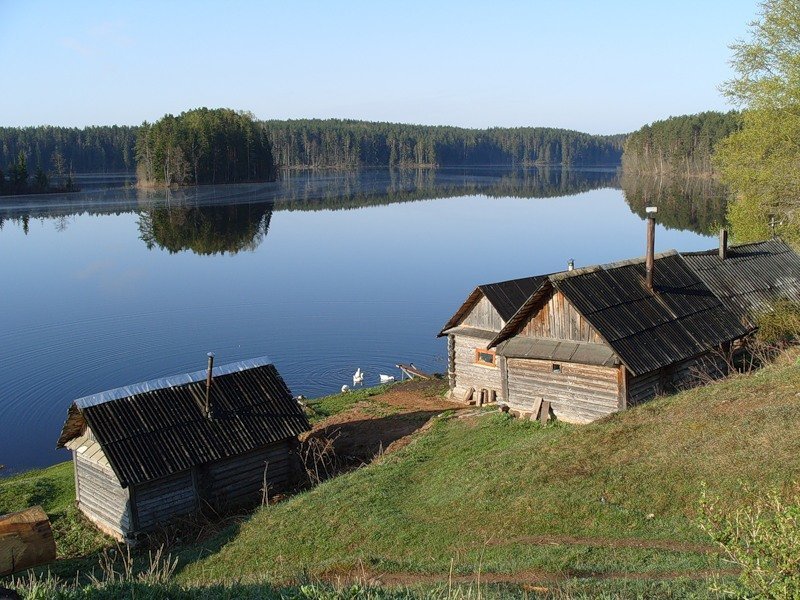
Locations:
(589, 342)
(148, 453)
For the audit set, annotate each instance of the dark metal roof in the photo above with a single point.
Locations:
(505, 296)
(558, 350)
(751, 278)
(508, 296)
(650, 330)
(158, 430)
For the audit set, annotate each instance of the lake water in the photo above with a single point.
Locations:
(323, 273)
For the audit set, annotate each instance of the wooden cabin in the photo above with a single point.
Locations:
(147, 453)
(473, 367)
(593, 341)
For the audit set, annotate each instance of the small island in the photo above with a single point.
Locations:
(203, 146)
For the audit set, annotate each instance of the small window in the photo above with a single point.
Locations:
(556, 368)
(485, 357)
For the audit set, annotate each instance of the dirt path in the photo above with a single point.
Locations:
(527, 578)
(383, 423)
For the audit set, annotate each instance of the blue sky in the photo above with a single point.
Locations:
(600, 66)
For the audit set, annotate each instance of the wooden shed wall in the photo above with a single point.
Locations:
(239, 480)
(578, 394)
(483, 316)
(101, 498)
(685, 374)
(470, 374)
(559, 319)
(162, 499)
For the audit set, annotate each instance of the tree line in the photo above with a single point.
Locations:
(337, 143)
(60, 150)
(681, 145)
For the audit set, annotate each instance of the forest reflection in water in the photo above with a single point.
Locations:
(230, 219)
(695, 204)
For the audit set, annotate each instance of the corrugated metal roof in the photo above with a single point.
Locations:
(159, 430)
(558, 351)
(508, 296)
(752, 277)
(505, 296)
(648, 330)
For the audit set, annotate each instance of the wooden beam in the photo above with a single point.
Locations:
(26, 540)
(544, 415)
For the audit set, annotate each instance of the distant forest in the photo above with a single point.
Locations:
(680, 146)
(337, 143)
(61, 150)
(311, 144)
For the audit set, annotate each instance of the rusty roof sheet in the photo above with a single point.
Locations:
(649, 330)
(752, 277)
(159, 430)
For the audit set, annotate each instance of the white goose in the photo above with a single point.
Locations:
(386, 378)
(358, 377)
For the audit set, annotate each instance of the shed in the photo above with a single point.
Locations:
(472, 364)
(149, 452)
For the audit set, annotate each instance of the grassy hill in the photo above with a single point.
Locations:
(612, 504)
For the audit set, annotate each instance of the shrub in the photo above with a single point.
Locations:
(762, 539)
(781, 326)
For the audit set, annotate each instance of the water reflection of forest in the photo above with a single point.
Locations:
(206, 230)
(695, 204)
(212, 220)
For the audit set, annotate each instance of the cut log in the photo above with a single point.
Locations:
(26, 540)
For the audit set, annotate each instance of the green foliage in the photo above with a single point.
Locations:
(203, 146)
(762, 539)
(761, 162)
(781, 325)
(679, 145)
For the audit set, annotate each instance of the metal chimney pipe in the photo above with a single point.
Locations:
(571, 265)
(651, 244)
(209, 378)
(723, 244)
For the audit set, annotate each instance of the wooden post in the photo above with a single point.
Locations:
(503, 377)
(622, 384)
(492, 396)
(544, 416)
(26, 540)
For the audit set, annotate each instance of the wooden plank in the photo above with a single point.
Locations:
(544, 414)
(537, 405)
(623, 387)
(26, 540)
(504, 377)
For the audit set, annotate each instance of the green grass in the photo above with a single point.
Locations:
(327, 406)
(54, 489)
(609, 509)
(472, 491)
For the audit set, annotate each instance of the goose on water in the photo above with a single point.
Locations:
(358, 377)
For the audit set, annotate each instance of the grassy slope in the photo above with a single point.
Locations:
(471, 491)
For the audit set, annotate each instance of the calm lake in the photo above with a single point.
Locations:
(324, 273)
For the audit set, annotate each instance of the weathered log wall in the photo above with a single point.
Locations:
(101, 498)
(684, 374)
(470, 374)
(577, 393)
(160, 500)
